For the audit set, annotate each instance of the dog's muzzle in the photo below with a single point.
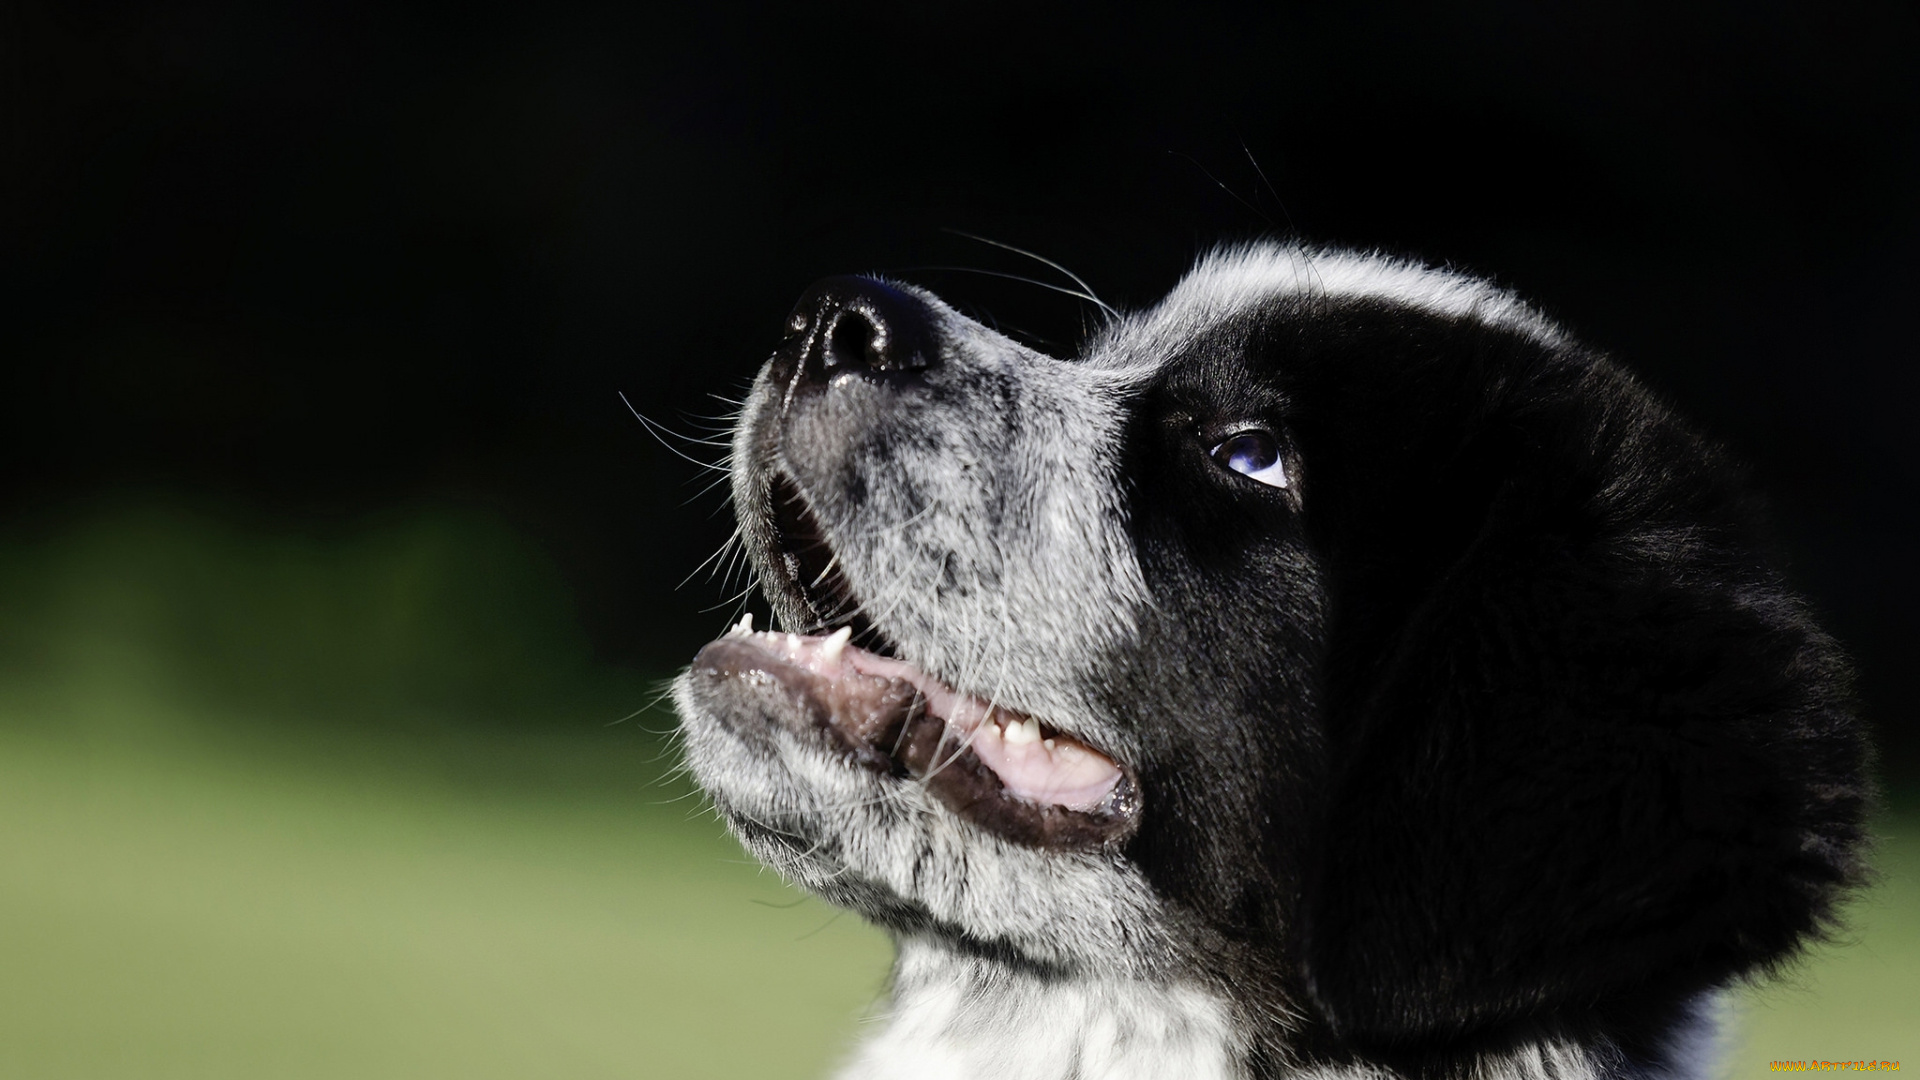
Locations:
(841, 684)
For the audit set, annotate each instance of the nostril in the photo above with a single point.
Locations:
(855, 342)
(858, 325)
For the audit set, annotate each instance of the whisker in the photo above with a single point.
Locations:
(742, 594)
(725, 546)
(711, 484)
(1088, 297)
(1085, 288)
(1271, 224)
(655, 430)
(882, 530)
(1292, 229)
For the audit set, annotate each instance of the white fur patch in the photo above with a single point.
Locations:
(1233, 280)
(955, 1018)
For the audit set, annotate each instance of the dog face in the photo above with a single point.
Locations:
(1337, 636)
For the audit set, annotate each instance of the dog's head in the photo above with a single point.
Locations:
(1337, 634)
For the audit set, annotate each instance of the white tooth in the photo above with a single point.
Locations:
(836, 644)
(1048, 743)
(1021, 732)
(744, 626)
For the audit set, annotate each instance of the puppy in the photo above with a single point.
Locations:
(1337, 671)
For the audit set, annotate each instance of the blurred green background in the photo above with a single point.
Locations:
(274, 805)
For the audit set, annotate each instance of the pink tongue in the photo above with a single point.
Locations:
(1058, 770)
(1066, 773)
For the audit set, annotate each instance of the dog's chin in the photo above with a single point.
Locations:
(997, 770)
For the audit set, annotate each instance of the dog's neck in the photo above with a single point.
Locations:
(959, 1016)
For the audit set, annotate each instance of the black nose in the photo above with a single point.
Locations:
(860, 325)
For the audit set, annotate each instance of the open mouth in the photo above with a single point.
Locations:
(1009, 773)
(813, 574)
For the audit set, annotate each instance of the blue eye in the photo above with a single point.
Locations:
(1255, 455)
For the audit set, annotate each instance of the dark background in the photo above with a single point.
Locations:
(311, 263)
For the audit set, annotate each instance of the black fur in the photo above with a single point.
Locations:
(1498, 721)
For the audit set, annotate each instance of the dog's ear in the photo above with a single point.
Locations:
(1595, 756)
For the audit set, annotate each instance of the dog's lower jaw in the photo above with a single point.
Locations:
(955, 1017)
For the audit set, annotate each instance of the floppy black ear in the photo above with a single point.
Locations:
(1599, 758)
